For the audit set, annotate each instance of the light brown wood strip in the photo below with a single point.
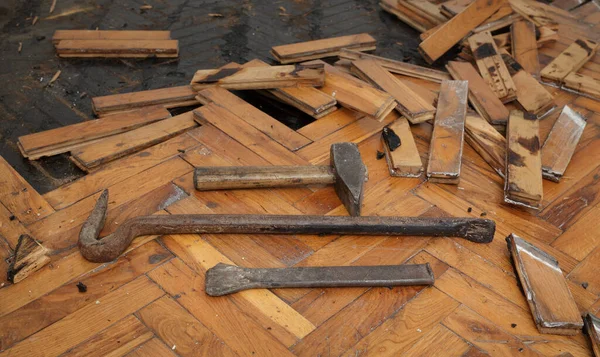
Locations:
(570, 60)
(153, 348)
(329, 123)
(450, 33)
(19, 197)
(487, 141)
(483, 99)
(581, 238)
(583, 84)
(587, 272)
(410, 104)
(304, 51)
(109, 35)
(439, 341)
(403, 161)
(407, 15)
(448, 133)
(254, 117)
(524, 46)
(66, 138)
(117, 146)
(127, 101)
(523, 184)
(120, 49)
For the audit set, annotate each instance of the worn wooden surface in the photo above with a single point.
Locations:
(474, 306)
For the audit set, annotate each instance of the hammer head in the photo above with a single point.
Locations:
(349, 171)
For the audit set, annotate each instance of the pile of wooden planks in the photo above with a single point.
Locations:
(115, 44)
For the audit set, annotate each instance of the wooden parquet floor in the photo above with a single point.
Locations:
(151, 301)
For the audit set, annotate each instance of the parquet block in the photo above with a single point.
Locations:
(570, 60)
(163, 97)
(153, 348)
(403, 161)
(327, 47)
(10, 227)
(587, 272)
(580, 239)
(176, 327)
(118, 49)
(524, 46)
(486, 141)
(329, 123)
(89, 320)
(439, 341)
(109, 35)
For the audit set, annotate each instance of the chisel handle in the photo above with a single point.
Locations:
(236, 177)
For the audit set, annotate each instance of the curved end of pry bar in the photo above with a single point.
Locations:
(480, 231)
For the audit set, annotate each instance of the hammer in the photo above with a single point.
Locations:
(347, 173)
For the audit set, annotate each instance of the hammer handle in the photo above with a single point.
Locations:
(227, 178)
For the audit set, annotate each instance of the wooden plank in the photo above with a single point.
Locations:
(118, 49)
(89, 320)
(117, 146)
(268, 125)
(561, 143)
(587, 272)
(448, 132)
(439, 341)
(426, 9)
(552, 306)
(452, 8)
(533, 96)
(118, 339)
(67, 138)
(357, 95)
(109, 35)
(524, 46)
(483, 99)
(329, 124)
(153, 348)
(583, 84)
(541, 14)
(523, 184)
(407, 15)
(247, 135)
(492, 67)
(450, 33)
(410, 104)
(487, 141)
(19, 197)
(403, 161)
(403, 68)
(328, 47)
(581, 238)
(176, 327)
(298, 75)
(570, 60)
(127, 101)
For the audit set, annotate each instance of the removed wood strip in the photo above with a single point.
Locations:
(426, 9)
(407, 15)
(497, 24)
(486, 141)
(583, 84)
(545, 288)
(410, 104)
(118, 49)
(524, 46)
(539, 13)
(66, 138)
(532, 95)
(446, 145)
(560, 145)
(355, 94)
(523, 184)
(167, 97)
(450, 33)
(298, 75)
(570, 60)
(60, 35)
(116, 146)
(328, 47)
(452, 8)
(485, 102)
(271, 127)
(592, 329)
(402, 155)
(492, 67)
(406, 69)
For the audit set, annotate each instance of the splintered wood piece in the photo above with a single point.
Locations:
(328, 47)
(30, 256)
(592, 328)
(497, 24)
(307, 99)
(298, 75)
(485, 102)
(426, 9)
(583, 84)
(407, 15)
(451, 8)
(524, 46)
(355, 94)
(523, 184)
(539, 13)
(570, 60)
(60, 35)
(446, 146)
(561, 143)
(66, 138)
(487, 141)
(116, 146)
(492, 68)
(119, 49)
(545, 288)
(410, 104)
(403, 68)
(451, 32)
(403, 160)
(166, 97)
(532, 95)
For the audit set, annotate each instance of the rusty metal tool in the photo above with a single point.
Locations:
(223, 279)
(110, 247)
(347, 173)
